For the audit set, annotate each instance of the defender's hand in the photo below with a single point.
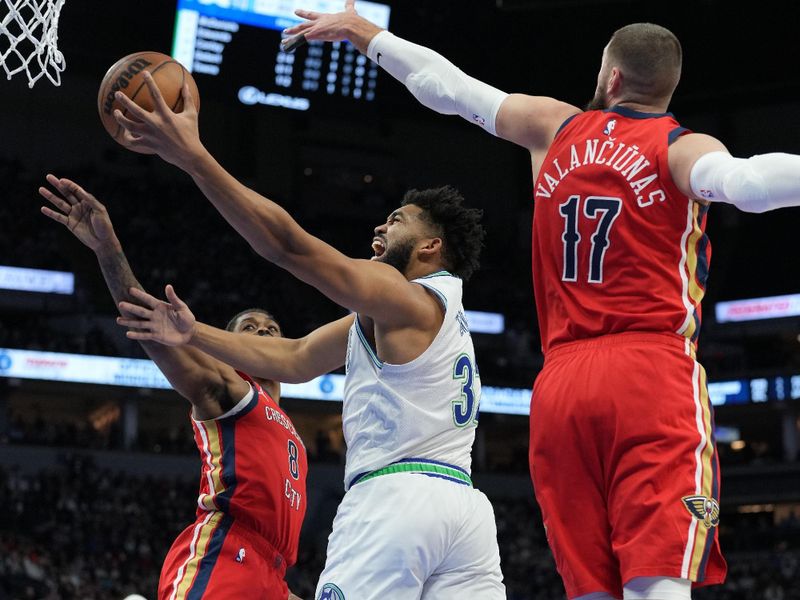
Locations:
(170, 323)
(325, 27)
(80, 212)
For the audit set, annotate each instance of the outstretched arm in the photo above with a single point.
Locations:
(198, 377)
(528, 121)
(369, 287)
(279, 359)
(703, 169)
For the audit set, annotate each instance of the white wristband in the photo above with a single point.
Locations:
(435, 81)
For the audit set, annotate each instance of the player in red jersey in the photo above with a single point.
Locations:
(253, 479)
(621, 425)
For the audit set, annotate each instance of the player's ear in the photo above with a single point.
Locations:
(615, 81)
(431, 246)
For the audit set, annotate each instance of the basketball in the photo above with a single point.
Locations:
(125, 76)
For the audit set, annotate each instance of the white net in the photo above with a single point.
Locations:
(29, 39)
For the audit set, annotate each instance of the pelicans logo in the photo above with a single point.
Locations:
(240, 555)
(703, 509)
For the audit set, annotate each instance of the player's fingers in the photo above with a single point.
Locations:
(295, 29)
(53, 180)
(189, 103)
(293, 43)
(56, 201)
(158, 99)
(132, 323)
(126, 315)
(307, 14)
(62, 186)
(137, 127)
(44, 192)
(135, 309)
(173, 298)
(132, 108)
(141, 336)
(56, 216)
(350, 5)
(148, 300)
(77, 193)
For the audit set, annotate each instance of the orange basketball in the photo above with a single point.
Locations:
(125, 75)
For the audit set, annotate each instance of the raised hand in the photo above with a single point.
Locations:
(170, 323)
(175, 137)
(325, 27)
(80, 212)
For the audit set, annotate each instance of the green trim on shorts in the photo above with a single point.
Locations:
(424, 468)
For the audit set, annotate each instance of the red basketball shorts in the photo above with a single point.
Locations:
(624, 464)
(216, 558)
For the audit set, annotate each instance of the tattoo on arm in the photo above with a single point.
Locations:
(118, 275)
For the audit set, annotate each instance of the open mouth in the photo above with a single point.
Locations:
(378, 247)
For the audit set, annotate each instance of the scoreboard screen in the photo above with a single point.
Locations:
(232, 48)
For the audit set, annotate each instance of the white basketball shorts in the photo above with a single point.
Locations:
(409, 536)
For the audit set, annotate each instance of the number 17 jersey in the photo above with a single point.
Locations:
(616, 246)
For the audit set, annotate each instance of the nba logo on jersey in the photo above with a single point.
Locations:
(240, 555)
(609, 128)
(330, 591)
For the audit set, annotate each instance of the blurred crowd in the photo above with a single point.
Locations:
(76, 531)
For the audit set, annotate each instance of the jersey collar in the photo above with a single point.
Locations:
(635, 114)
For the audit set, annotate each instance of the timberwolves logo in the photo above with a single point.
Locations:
(330, 591)
(703, 509)
(609, 128)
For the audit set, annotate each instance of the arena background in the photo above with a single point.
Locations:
(97, 480)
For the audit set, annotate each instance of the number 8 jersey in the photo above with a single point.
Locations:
(426, 408)
(616, 246)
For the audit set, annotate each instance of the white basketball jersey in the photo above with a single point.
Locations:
(426, 408)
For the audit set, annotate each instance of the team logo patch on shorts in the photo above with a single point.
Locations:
(330, 591)
(703, 509)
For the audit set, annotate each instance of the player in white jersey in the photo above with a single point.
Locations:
(428, 407)
(428, 534)
(411, 525)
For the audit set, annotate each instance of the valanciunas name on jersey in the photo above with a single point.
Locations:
(626, 160)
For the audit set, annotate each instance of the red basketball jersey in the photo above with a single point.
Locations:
(616, 246)
(254, 469)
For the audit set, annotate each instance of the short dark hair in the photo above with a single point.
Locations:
(650, 56)
(232, 323)
(459, 226)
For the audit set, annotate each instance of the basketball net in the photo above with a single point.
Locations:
(29, 39)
